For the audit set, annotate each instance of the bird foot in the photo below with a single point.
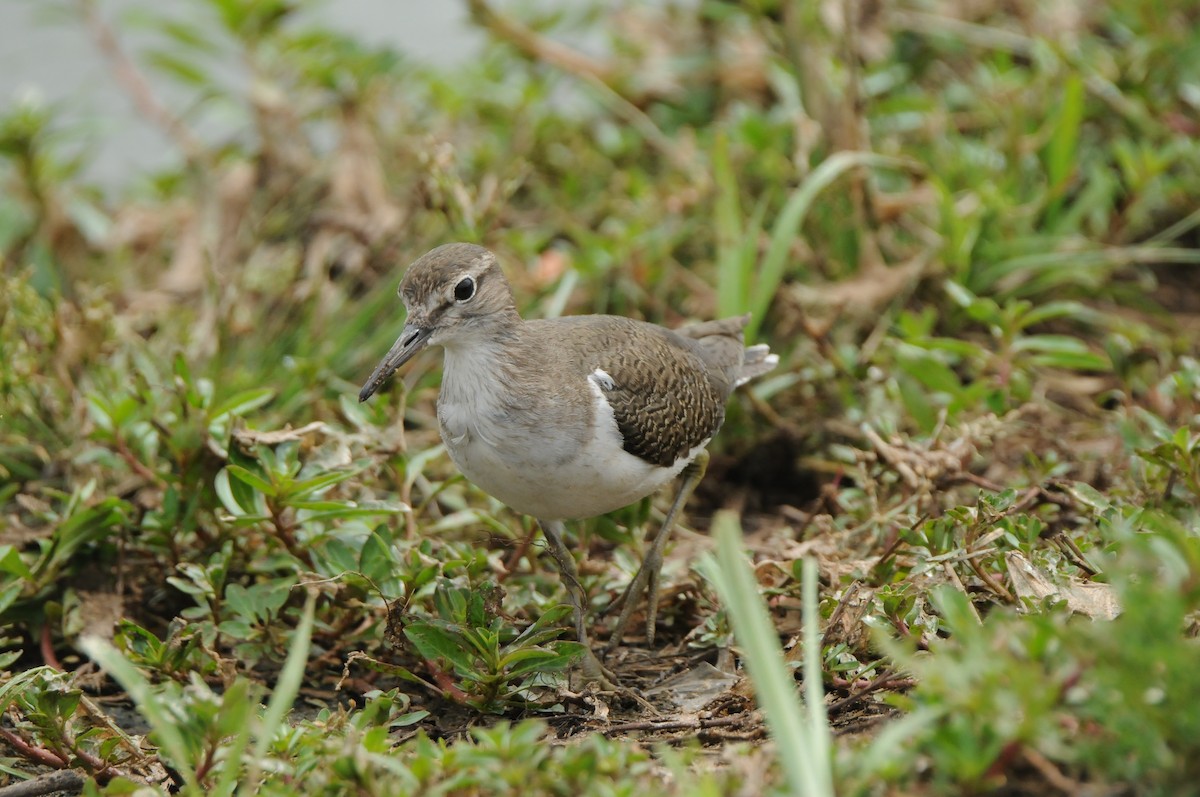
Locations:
(594, 671)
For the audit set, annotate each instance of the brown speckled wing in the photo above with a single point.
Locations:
(667, 390)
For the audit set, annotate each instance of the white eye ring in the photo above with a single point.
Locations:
(464, 290)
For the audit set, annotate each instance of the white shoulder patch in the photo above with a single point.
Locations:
(602, 380)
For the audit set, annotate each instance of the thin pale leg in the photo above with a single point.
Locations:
(592, 668)
(647, 577)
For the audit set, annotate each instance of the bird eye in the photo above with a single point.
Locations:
(464, 290)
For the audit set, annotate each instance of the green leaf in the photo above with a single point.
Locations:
(12, 563)
(321, 506)
(528, 660)
(186, 35)
(1061, 151)
(318, 483)
(375, 560)
(242, 403)
(1087, 495)
(339, 557)
(287, 687)
(181, 69)
(350, 510)
(258, 601)
(1060, 344)
(545, 628)
(225, 493)
(8, 596)
(1082, 361)
(485, 642)
(252, 479)
(916, 402)
(565, 654)
(436, 644)
(959, 294)
(160, 712)
(414, 466)
(1061, 309)
(1062, 351)
(800, 729)
(787, 226)
(929, 371)
(82, 527)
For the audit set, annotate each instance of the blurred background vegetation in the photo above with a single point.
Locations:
(968, 228)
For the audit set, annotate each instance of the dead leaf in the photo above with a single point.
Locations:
(1090, 598)
(253, 436)
(695, 688)
(98, 613)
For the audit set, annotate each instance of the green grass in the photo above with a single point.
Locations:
(972, 241)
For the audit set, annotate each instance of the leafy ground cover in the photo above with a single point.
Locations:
(969, 230)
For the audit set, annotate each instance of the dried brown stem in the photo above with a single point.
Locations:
(38, 755)
(46, 646)
(64, 780)
(952, 577)
(131, 459)
(1052, 774)
(992, 584)
(535, 46)
(591, 72)
(691, 723)
(136, 85)
(885, 680)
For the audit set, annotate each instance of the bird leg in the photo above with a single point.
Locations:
(646, 578)
(592, 668)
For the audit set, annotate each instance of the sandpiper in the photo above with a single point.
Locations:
(570, 417)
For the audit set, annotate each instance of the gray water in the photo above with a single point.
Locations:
(47, 56)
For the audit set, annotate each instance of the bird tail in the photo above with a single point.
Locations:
(756, 361)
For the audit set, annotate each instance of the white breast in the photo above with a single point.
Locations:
(540, 469)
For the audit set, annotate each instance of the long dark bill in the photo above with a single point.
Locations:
(412, 339)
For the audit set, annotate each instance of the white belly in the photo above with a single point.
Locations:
(550, 474)
(599, 480)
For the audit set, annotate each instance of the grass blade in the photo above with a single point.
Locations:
(787, 226)
(156, 712)
(800, 731)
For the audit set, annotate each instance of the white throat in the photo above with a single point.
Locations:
(475, 383)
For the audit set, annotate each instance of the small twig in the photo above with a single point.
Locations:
(536, 47)
(839, 610)
(102, 717)
(1051, 773)
(957, 582)
(138, 466)
(514, 558)
(38, 755)
(63, 780)
(46, 646)
(892, 456)
(591, 72)
(992, 584)
(136, 85)
(895, 540)
(1172, 479)
(885, 680)
(691, 724)
(1073, 552)
(1031, 497)
(966, 477)
(445, 683)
